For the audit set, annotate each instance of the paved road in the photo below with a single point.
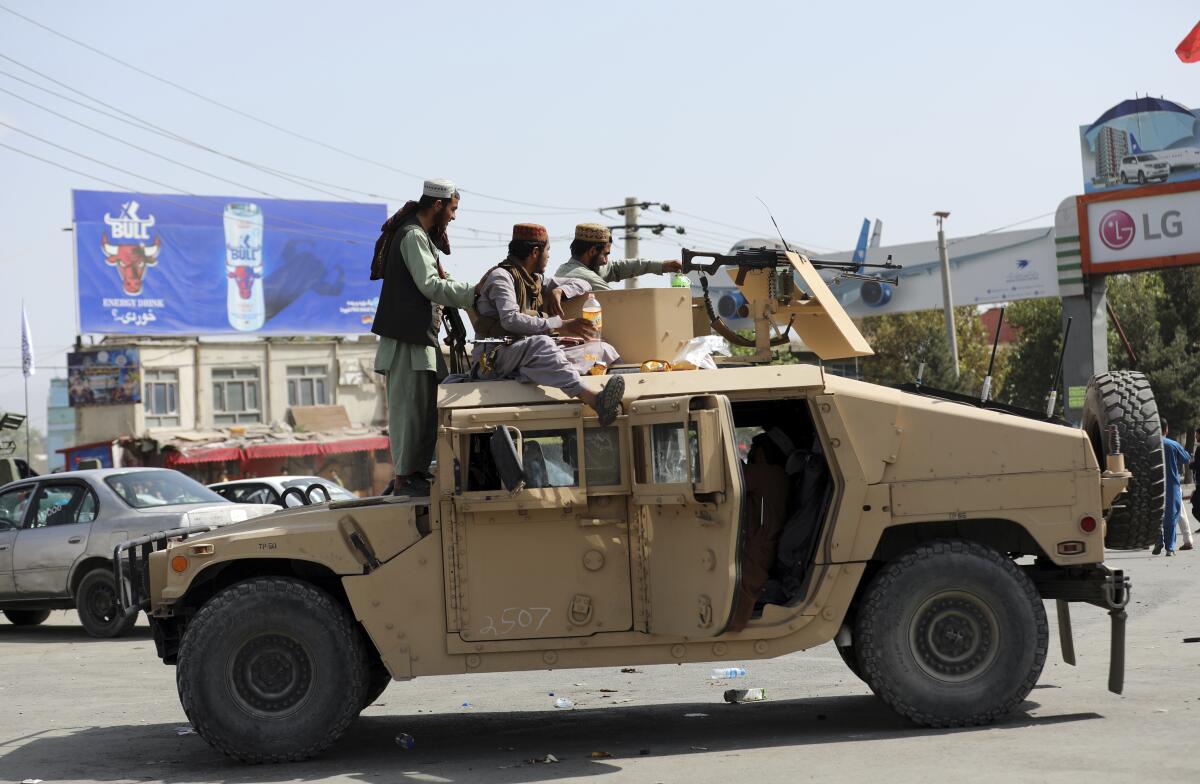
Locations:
(74, 709)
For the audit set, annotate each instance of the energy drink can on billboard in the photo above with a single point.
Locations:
(244, 266)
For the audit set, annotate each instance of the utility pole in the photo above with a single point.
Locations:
(947, 294)
(631, 235)
(631, 210)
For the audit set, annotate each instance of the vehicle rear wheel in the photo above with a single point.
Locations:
(1141, 178)
(96, 602)
(26, 617)
(1124, 398)
(271, 670)
(951, 634)
(378, 679)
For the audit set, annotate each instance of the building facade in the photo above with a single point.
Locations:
(230, 409)
(60, 424)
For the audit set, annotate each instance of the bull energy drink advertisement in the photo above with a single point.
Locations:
(161, 264)
(244, 266)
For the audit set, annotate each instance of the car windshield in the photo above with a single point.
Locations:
(336, 491)
(143, 489)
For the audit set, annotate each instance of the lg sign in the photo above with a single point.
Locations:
(1149, 232)
(1117, 229)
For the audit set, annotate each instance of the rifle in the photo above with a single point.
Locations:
(456, 340)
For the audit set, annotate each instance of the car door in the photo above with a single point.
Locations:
(550, 560)
(688, 491)
(53, 538)
(14, 504)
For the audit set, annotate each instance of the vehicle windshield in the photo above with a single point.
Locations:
(336, 491)
(144, 489)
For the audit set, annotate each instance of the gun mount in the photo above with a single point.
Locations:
(768, 279)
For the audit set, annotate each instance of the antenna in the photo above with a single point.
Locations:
(772, 217)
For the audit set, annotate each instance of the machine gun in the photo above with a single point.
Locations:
(778, 294)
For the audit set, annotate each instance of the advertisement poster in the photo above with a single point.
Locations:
(207, 265)
(104, 378)
(1140, 142)
(1142, 232)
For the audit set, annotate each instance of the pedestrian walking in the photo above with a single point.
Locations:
(1175, 458)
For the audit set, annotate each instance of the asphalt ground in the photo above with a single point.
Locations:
(81, 710)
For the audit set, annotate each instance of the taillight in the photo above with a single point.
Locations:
(1088, 524)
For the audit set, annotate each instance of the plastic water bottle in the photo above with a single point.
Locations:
(721, 673)
(405, 741)
(564, 703)
(593, 313)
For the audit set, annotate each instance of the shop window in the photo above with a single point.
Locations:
(235, 396)
(308, 385)
(161, 398)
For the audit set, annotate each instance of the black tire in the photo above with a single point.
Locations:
(26, 617)
(378, 679)
(951, 634)
(1124, 398)
(271, 670)
(96, 603)
(1124, 179)
(1141, 178)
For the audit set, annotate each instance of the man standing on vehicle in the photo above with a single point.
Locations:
(589, 260)
(1175, 458)
(408, 319)
(518, 306)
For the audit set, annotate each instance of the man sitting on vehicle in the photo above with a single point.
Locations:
(589, 260)
(520, 332)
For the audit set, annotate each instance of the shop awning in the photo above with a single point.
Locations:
(293, 449)
(217, 454)
(365, 444)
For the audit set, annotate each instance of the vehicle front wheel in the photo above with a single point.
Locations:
(99, 611)
(1141, 178)
(271, 670)
(26, 617)
(951, 634)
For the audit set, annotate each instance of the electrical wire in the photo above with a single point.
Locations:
(184, 205)
(116, 113)
(264, 122)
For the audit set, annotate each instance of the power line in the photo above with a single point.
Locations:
(363, 238)
(262, 121)
(120, 115)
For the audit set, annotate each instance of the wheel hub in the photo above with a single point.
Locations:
(102, 602)
(954, 636)
(271, 675)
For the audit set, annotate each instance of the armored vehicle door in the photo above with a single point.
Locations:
(550, 560)
(687, 493)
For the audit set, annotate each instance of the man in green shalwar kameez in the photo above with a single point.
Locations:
(408, 319)
(589, 260)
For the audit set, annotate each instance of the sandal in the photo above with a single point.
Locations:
(608, 401)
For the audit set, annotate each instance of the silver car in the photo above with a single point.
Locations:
(57, 535)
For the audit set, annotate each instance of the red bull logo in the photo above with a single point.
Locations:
(131, 261)
(244, 276)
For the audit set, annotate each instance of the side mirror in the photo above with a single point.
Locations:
(507, 458)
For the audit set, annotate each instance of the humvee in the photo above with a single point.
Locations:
(734, 514)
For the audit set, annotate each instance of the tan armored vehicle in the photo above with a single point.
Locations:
(728, 515)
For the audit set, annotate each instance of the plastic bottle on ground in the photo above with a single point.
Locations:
(564, 703)
(405, 741)
(721, 673)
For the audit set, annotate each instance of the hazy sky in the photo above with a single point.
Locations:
(830, 112)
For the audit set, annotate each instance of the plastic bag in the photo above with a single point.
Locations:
(698, 352)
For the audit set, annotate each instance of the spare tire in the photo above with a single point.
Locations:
(1124, 398)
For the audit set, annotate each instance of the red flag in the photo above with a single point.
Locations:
(1189, 48)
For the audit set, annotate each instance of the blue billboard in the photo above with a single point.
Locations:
(202, 265)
